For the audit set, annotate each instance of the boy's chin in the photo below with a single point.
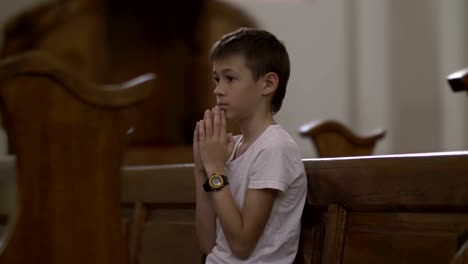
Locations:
(231, 117)
(228, 115)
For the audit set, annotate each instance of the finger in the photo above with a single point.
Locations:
(195, 140)
(223, 125)
(195, 145)
(208, 124)
(201, 131)
(195, 134)
(216, 122)
(223, 121)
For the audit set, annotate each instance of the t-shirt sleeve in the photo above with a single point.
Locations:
(275, 167)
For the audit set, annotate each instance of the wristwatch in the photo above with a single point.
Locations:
(215, 182)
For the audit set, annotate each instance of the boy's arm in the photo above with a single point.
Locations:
(243, 228)
(205, 215)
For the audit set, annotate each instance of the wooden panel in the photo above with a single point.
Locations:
(165, 184)
(168, 233)
(312, 236)
(170, 237)
(402, 237)
(403, 182)
(160, 155)
(334, 236)
(139, 218)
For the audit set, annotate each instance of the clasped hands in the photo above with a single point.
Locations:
(212, 146)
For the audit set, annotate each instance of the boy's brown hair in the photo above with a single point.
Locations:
(263, 53)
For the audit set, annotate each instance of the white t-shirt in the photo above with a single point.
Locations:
(272, 161)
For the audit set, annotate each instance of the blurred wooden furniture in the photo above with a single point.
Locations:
(69, 137)
(458, 80)
(107, 41)
(333, 139)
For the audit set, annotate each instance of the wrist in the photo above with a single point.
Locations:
(211, 171)
(199, 173)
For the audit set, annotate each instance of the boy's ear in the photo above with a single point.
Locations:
(271, 83)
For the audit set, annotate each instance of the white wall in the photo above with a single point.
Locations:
(373, 64)
(453, 40)
(370, 56)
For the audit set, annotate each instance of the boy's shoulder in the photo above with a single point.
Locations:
(276, 138)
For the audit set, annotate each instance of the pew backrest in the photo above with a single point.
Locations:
(390, 209)
(69, 137)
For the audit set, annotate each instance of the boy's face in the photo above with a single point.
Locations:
(237, 92)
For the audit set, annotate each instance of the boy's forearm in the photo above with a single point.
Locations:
(230, 218)
(225, 208)
(205, 215)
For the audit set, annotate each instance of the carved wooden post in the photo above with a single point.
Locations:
(69, 137)
(458, 80)
(333, 139)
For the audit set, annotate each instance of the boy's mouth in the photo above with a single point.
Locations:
(222, 106)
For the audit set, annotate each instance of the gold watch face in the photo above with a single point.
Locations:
(216, 181)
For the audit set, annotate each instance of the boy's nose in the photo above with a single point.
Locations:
(218, 90)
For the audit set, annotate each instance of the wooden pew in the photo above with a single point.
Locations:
(69, 137)
(391, 209)
(377, 209)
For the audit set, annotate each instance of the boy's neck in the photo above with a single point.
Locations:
(254, 127)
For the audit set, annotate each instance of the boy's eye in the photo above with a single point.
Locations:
(229, 78)
(215, 80)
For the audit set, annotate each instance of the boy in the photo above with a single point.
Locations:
(251, 188)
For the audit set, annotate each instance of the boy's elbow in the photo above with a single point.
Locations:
(206, 247)
(242, 250)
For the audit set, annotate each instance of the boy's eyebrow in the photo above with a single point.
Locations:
(227, 71)
(224, 71)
